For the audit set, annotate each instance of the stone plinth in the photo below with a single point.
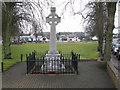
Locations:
(52, 63)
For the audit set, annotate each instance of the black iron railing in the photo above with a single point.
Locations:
(30, 62)
(38, 63)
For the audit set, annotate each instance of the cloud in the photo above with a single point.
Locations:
(69, 22)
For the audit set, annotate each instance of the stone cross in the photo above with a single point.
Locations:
(53, 19)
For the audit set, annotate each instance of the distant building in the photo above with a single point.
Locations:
(116, 32)
(94, 38)
(72, 38)
(69, 36)
(46, 34)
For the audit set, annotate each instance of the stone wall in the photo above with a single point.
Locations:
(114, 74)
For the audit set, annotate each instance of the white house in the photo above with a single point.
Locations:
(116, 32)
(95, 38)
(72, 38)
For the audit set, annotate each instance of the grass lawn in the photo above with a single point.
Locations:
(87, 50)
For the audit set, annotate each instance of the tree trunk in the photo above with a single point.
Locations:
(100, 23)
(36, 36)
(111, 6)
(6, 27)
(6, 43)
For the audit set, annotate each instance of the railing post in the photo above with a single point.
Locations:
(21, 57)
(79, 56)
(77, 65)
(34, 55)
(29, 56)
(27, 62)
(2, 67)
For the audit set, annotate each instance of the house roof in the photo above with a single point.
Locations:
(71, 36)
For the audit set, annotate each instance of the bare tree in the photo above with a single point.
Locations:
(19, 13)
(7, 17)
(100, 21)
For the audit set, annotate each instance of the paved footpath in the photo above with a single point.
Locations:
(90, 77)
(115, 62)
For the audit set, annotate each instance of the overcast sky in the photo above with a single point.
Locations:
(117, 15)
(117, 19)
(69, 22)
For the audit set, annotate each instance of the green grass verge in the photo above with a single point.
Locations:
(87, 50)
